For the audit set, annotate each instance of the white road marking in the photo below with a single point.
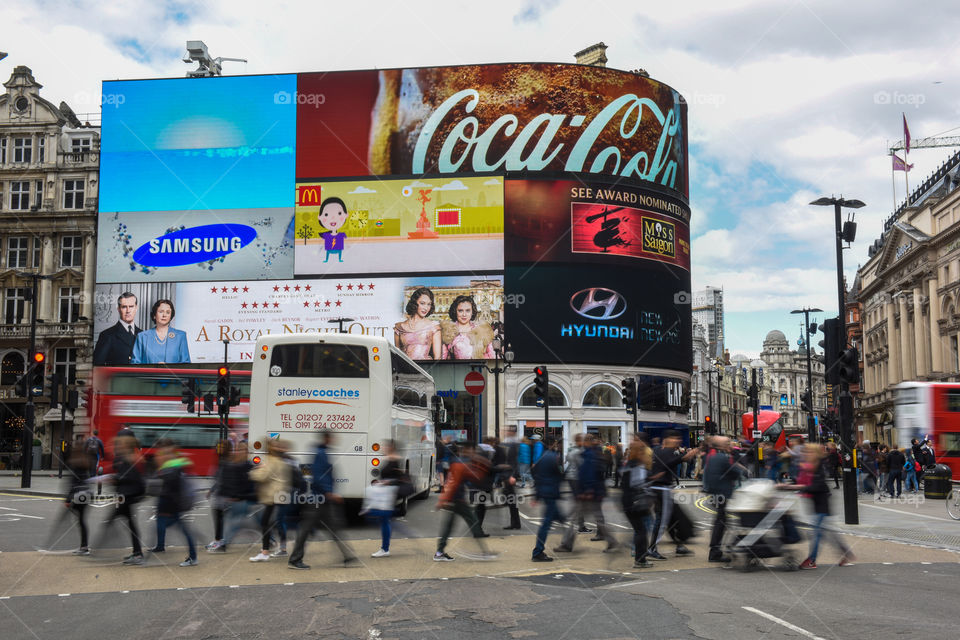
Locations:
(630, 584)
(64, 595)
(903, 513)
(783, 623)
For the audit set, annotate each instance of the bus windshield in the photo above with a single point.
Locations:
(319, 361)
(907, 395)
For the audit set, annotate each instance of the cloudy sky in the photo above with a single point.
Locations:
(789, 100)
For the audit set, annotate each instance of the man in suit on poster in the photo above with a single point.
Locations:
(115, 345)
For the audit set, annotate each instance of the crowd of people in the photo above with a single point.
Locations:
(289, 506)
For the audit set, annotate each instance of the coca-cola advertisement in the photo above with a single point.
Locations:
(530, 117)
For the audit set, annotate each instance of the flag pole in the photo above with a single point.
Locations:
(893, 179)
(906, 159)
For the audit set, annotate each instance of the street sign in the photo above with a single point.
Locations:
(757, 433)
(473, 382)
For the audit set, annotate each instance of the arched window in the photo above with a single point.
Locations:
(557, 399)
(11, 368)
(603, 394)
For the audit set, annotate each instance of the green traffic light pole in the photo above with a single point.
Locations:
(845, 402)
(26, 440)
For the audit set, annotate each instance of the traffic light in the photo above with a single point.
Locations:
(848, 366)
(753, 397)
(188, 394)
(831, 350)
(208, 402)
(53, 380)
(223, 387)
(806, 403)
(234, 396)
(628, 390)
(708, 424)
(541, 381)
(73, 400)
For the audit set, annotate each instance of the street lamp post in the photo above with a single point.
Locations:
(844, 232)
(499, 353)
(714, 370)
(811, 427)
(26, 441)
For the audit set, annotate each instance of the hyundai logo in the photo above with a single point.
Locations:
(598, 303)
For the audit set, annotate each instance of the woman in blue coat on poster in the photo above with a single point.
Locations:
(163, 344)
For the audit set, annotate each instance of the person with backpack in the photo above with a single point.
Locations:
(129, 487)
(592, 485)
(176, 497)
(274, 481)
(95, 452)
(467, 468)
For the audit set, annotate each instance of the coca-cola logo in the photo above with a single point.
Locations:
(540, 141)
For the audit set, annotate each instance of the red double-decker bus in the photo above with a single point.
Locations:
(149, 401)
(930, 410)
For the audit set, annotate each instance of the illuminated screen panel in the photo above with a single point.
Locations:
(414, 225)
(429, 317)
(492, 118)
(577, 314)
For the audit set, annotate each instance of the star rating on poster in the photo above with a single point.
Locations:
(315, 303)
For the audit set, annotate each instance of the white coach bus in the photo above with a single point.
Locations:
(362, 388)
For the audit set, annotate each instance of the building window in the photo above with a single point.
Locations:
(3, 151)
(65, 363)
(80, 145)
(19, 195)
(22, 149)
(17, 252)
(955, 353)
(41, 148)
(602, 395)
(529, 397)
(14, 304)
(69, 304)
(38, 193)
(12, 368)
(71, 251)
(73, 194)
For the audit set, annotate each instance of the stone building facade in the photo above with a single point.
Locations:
(910, 297)
(49, 163)
(787, 372)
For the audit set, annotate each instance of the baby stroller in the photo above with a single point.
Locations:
(761, 527)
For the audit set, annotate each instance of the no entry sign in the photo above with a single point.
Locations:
(473, 383)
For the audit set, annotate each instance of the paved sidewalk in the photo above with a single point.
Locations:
(35, 573)
(47, 484)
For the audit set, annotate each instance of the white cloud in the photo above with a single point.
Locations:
(491, 182)
(453, 185)
(362, 189)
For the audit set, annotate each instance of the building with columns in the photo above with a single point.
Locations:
(787, 375)
(910, 297)
(48, 203)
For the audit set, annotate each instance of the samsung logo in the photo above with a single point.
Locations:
(194, 245)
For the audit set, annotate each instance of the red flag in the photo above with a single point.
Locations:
(900, 165)
(906, 134)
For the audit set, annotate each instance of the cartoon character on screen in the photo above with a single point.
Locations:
(332, 216)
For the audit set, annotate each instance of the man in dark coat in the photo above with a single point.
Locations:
(547, 475)
(115, 345)
(720, 474)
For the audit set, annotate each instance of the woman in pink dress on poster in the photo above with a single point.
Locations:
(464, 339)
(417, 336)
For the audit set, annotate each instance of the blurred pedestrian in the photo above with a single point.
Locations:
(236, 493)
(547, 476)
(511, 475)
(79, 494)
(381, 499)
(129, 488)
(321, 509)
(175, 498)
(274, 482)
(454, 502)
(524, 460)
(720, 476)
(573, 458)
(592, 486)
(637, 499)
(663, 474)
(895, 462)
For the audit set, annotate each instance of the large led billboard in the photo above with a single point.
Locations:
(415, 201)
(429, 317)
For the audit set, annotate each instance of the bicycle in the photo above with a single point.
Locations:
(953, 503)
